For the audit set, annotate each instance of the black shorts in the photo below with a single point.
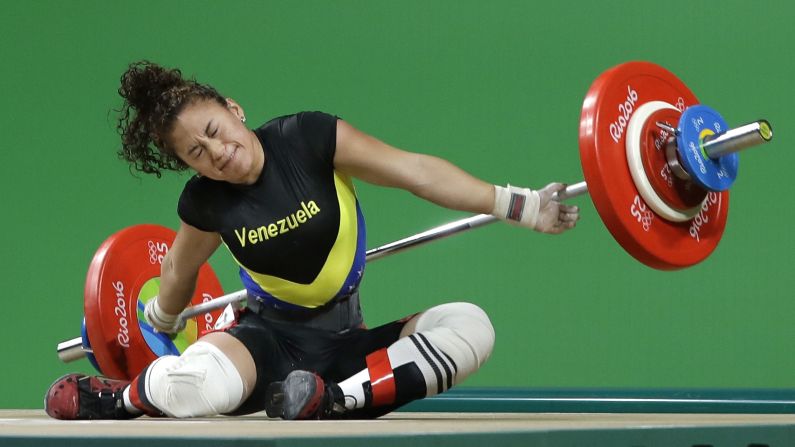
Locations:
(281, 346)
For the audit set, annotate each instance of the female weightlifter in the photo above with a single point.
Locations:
(281, 198)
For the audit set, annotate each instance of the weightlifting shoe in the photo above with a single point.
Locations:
(78, 396)
(304, 395)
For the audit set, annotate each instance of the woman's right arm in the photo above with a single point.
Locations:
(191, 248)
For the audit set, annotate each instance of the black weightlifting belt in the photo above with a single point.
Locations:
(338, 316)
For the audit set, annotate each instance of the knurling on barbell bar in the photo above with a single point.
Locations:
(657, 166)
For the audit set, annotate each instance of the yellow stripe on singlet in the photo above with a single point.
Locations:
(337, 266)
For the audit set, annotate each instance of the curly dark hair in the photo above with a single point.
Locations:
(153, 97)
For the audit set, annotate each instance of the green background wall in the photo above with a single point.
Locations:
(495, 87)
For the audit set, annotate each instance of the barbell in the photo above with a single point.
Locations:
(657, 164)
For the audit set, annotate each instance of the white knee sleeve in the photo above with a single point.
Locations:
(463, 331)
(200, 382)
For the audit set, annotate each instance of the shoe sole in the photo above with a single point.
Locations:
(298, 397)
(67, 406)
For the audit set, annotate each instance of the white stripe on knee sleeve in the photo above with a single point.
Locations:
(200, 382)
(462, 332)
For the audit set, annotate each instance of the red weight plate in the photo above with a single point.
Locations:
(677, 193)
(125, 263)
(207, 288)
(606, 112)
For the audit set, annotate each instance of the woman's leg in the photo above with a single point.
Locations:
(214, 375)
(437, 349)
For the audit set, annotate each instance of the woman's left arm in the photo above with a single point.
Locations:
(431, 178)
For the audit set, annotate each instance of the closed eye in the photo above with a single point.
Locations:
(207, 131)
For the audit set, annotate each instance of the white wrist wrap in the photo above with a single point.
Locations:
(516, 205)
(159, 318)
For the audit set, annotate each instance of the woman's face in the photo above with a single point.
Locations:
(212, 140)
